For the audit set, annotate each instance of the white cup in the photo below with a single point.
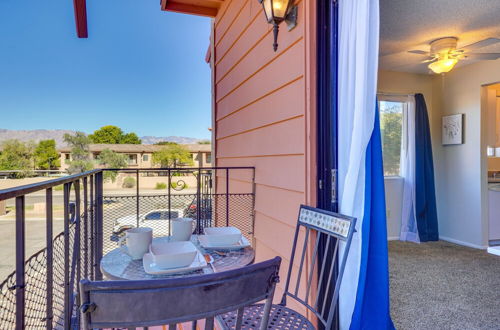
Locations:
(182, 228)
(138, 241)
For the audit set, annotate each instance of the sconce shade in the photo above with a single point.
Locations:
(276, 10)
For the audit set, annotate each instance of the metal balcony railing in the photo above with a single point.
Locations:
(98, 206)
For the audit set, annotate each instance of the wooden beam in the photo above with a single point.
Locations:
(80, 7)
(168, 5)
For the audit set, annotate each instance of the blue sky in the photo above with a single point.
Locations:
(140, 69)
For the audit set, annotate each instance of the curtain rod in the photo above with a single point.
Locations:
(394, 94)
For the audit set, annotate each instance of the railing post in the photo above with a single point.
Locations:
(92, 228)
(169, 202)
(198, 210)
(85, 228)
(20, 255)
(98, 224)
(50, 258)
(67, 294)
(78, 253)
(227, 197)
(253, 203)
(137, 197)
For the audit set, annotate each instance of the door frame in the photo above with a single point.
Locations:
(327, 122)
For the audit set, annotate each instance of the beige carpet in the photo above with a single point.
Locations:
(440, 285)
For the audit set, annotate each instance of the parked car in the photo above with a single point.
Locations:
(156, 219)
(205, 212)
(205, 209)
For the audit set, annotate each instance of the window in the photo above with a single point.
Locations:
(209, 157)
(145, 158)
(132, 159)
(66, 156)
(392, 129)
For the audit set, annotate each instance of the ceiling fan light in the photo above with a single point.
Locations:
(443, 65)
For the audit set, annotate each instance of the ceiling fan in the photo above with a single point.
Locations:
(444, 53)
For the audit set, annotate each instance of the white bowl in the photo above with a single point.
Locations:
(222, 235)
(172, 254)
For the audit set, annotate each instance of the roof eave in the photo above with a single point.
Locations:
(190, 7)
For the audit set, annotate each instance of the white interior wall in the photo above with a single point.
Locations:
(460, 171)
(463, 183)
(394, 202)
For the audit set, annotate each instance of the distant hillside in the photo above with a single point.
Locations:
(34, 135)
(176, 139)
(45, 134)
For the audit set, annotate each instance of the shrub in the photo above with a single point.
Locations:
(161, 185)
(128, 182)
(175, 185)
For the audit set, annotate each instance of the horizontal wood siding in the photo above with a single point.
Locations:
(263, 116)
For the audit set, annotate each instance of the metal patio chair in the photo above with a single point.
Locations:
(329, 229)
(131, 304)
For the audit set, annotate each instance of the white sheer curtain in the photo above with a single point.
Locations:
(358, 65)
(409, 230)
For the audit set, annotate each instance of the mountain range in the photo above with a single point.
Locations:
(58, 134)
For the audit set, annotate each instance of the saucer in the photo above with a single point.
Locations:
(151, 268)
(243, 243)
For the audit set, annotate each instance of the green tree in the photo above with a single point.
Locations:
(166, 143)
(80, 157)
(16, 156)
(46, 155)
(172, 156)
(204, 142)
(391, 121)
(113, 135)
(111, 159)
(130, 138)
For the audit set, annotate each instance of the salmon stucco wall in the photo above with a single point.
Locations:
(264, 115)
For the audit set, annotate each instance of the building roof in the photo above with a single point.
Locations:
(139, 148)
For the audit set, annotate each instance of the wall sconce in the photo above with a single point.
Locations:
(278, 11)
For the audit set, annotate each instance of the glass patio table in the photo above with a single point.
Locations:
(118, 265)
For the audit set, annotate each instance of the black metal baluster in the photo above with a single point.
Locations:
(137, 197)
(50, 258)
(169, 203)
(198, 210)
(67, 294)
(227, 197)
(85, 229)
(254, 187)
(20, 255)
(92, 228)
(77, 252)
(99, 224)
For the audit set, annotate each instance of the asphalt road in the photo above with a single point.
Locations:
(35, 228)
(35, 241)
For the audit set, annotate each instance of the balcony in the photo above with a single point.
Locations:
(97, 207)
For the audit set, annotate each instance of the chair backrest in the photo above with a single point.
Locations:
(323, 278)
(112, 304)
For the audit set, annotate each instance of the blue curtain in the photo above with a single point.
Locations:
(425, 208)
(372, 301)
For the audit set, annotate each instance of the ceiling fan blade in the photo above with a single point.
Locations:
(419, 52)
(481, 56)
(480, 44)
(429, 60)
